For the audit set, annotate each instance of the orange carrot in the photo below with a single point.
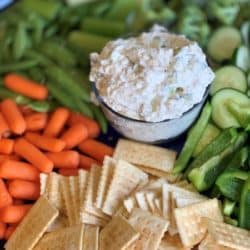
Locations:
(27, 190)
(25, 87)
(18, 202)
(14, 213)
(86, 162)
(95, 149)
(9, 231)
(36, 121)
(74, 135)
(4, 128)
(33, 155)
(6, 146)
(45, 143)
(65, 159)
(91, 125)
(8, 157)
(18, 170)
(68, 171)
(57, 122)
(2, 230)
(13, 116)
(5, 198)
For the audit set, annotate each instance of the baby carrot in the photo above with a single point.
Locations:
(45, 143)
(27, 190)
(65, 159)
(13, 116)
(36, 121)
(33, 155)
(10, 170)
(4, 128)
(95, 149)
(25, 110)
(8, 157)
(2, 230)
(25, 87)
(14, 213)
(57, 122)
(9, 231)
(86, 162)
(74, 135)
(68, 171)
(91, 125)
(5, 198)
(6, 146)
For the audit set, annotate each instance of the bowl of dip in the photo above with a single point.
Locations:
(151, 87)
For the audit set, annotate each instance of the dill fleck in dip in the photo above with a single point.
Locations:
(152, 77)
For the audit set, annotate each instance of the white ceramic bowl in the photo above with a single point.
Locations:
(150, 132)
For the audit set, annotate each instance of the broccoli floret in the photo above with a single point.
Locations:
(193, 24)
(225, 11)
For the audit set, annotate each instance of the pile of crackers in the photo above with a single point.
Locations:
(132, 202)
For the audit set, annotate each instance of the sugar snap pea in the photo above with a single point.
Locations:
(23, 65)
(99, 116)
(42, 106)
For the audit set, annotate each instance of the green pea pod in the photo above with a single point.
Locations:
(67, 83)
(35, 55)
(24, 65)
(37, 75)
(192, 140)
(84, 108)
(99, 116)
(58, 53)
(244, 214)
(20, 41)
(41, 106)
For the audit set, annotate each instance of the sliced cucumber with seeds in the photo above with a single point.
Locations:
(223, 43)
(221, 114)
(229, 77)
(208, 135)
(242, 58)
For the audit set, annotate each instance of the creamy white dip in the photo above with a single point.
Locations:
(152, 77)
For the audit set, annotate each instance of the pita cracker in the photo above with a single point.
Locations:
(91, 193)
(60, 222)
(82, 182)
(125, 179)
(165, 202)
(145, 155)
(150, 196)
(158, 206)
(63, 239)
(105, 179)
(34, 224)
(227, 235)
(117, 235)
(208, 243)
(172, 243)
(91, 238)
(130, 203)
(122, 211)
(74, 195)
(172, 226)
(141, 201)
(189, 220)
(91, 219)
(43, 183)
(151, 228)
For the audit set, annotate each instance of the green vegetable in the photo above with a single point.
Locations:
(218, 49)
(46, 8)
(244, 214)
(58, 53)
(228, 207)
(225, 11)
(193, 24)
(208, 135)
(87, 42)
(103, 27)
(23, 65)
(41, 106)
(99, 116)
(205, 175)
(20, 41)
(242, 58)
(231, 221)
(192, 140)
(218, 145)
(230, 183)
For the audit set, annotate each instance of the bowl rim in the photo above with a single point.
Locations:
(101, 101)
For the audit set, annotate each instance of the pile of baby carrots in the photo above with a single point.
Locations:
(32, 142)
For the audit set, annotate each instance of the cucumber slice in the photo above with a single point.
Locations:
(228, 207)
(208, 135)
(229, 77)
(242, 58)
(223, 42)
(245, 32)
(221, 115)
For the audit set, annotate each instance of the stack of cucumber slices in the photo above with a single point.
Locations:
(216, 157)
